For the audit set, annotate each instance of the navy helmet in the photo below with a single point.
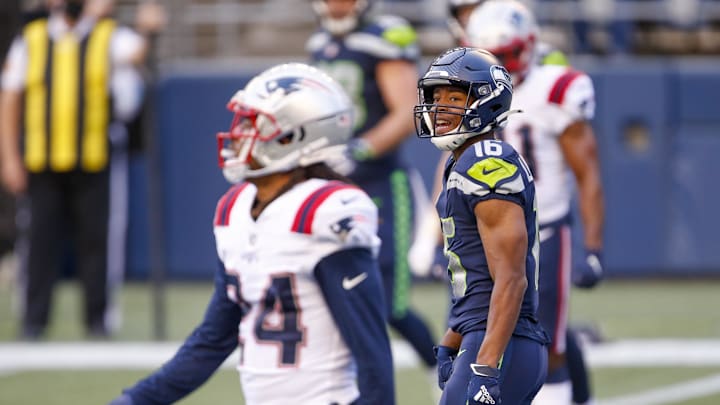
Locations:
(489, 95)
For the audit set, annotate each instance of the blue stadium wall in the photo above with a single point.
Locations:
(658, 127)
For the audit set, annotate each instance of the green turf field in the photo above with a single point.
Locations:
(619, 310)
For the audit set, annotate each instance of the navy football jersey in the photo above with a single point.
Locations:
(487, 169)
(352, 60)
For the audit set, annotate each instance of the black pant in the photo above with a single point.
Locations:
(66, 207)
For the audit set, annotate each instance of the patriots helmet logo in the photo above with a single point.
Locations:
(516, 19)
(288, 85)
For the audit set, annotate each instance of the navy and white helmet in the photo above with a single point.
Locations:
(489, 90)
(291, 115)
(341, 26)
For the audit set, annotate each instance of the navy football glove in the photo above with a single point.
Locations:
(484, 386)
(590, 270)
(445, 357)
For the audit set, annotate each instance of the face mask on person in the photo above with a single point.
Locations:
(74, 8)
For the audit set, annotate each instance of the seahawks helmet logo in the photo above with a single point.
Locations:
(501, 76)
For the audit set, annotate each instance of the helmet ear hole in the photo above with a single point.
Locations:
(296, 135)
(285, 138)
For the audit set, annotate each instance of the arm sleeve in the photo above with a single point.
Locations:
(199, 356)
(14, 66)
(359, 315)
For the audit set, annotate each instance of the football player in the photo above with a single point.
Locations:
(421, 254)
(487, 209)
(298, 290)
(556, 139)
(458, 14)
(374, 57)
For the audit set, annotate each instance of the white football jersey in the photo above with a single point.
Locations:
(290, 348)
(551, 98)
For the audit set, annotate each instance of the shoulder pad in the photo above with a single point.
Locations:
(574, 92)
(341, 214)
(555, 57)
(387, 38)
(225, 204)
(489, 166)
(305, 216)
(396, 30)
(316, 41)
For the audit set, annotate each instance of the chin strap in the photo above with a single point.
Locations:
(501, 119)
(452, 142)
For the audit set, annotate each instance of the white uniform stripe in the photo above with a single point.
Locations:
(421, 198)
(563, 289)
(670, 394)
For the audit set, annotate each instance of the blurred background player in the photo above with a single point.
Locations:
(488, 213)
(374, 58)
(458, 14)
(298, 274)
(68, 156)
(555, 137)
(10, 20)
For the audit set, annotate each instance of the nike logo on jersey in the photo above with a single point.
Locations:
(460, 353)
(486, 171)
(350, 283)
(346, 201)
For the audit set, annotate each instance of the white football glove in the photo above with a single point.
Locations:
(421, 256)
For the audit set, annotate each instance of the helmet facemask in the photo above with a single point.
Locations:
(236, 148)
(449, 126)
(516, 56)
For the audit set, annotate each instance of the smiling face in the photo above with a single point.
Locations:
(451, 102)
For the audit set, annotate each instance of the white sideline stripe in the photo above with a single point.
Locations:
(670, 393)
(654, 353)
(16, 357)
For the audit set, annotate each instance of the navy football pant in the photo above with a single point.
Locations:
(522, 372)
(577, 370)
(554, 289)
